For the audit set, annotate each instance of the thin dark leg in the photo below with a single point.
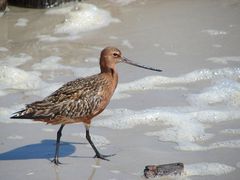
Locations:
(56, 157)
(98, 155)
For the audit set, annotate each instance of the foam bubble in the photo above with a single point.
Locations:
(44, 90)
(157, 82)
(82, 18)
(170, 53)
(91, 59)
(231, 131)
(223, 92)
(127, 43)
(3, 93)
(49, 63)
(203, 169)
(217, 45)
(15, 60)
(52, 63)
(99, 141)
(30, 174)
(113, 37)
(122, 2)
(15, 78)
(22, 22)
(3, 49)
(15, 137)
(224, 60)
(48, 130)
(214, 32)
(184, 125)
(49, 38)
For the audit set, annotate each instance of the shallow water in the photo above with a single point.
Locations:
(187, 113)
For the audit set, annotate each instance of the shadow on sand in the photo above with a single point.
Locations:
(43, 150)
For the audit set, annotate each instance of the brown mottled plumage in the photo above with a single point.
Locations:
(80, 100)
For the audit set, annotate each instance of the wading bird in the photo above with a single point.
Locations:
(80, 100)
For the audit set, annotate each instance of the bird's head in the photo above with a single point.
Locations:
(110, 56)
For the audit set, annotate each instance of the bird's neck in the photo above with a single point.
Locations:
(111, 74)
(110, 70)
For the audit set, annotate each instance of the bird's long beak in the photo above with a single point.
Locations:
(127, 61)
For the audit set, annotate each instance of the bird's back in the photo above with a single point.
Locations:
(76, 101)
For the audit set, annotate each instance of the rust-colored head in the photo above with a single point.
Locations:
(110, 56)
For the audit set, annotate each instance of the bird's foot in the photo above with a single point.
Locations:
(103, 157)
(56, 161)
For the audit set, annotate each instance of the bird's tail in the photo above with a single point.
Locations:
(23, 114)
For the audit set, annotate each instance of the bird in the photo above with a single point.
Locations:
(80, 100)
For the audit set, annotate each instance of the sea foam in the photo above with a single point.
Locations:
(22, 22)
(204, 168)
(53, 63)
(223, 92)
(15, 78)
(184, 125)
(161, 82)
(82, 17)
(15, 60)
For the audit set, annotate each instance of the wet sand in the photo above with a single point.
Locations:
(188, 113)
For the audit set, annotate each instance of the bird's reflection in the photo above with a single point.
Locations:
(91, 176)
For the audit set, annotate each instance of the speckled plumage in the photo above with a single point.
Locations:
(79, 100)
(76, 101)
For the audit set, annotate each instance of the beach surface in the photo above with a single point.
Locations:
(188, 113)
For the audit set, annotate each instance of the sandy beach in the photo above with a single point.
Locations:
(188, 113)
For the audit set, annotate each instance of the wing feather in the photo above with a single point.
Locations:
(75, 99)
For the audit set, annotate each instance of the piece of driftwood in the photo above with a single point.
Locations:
(172, 169)
(38, 4)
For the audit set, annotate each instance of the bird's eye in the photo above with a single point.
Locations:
(115, 54)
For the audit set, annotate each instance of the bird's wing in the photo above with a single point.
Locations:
(77, 98)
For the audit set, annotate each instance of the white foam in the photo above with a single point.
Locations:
(22, 22)
(15, 137)
(52, 63)
(238, 164)
(3, 49)
(127, 44)
(15, 60)
(224, 60)
(113, 37)
(169, 53)
(214, 32)
(115, 171)
(49, 38)
(231, 131)
(45, 90)
(82, 17)
(91, 59)
(30, 174)
(99, 141)
(122, 2)
(223, 92)
(184, 125)
(15, 78)
(48, 130)
(217, 45)
(158, 82)
(204, 169)
(49, 63)
(96, 166)
(3, 93)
